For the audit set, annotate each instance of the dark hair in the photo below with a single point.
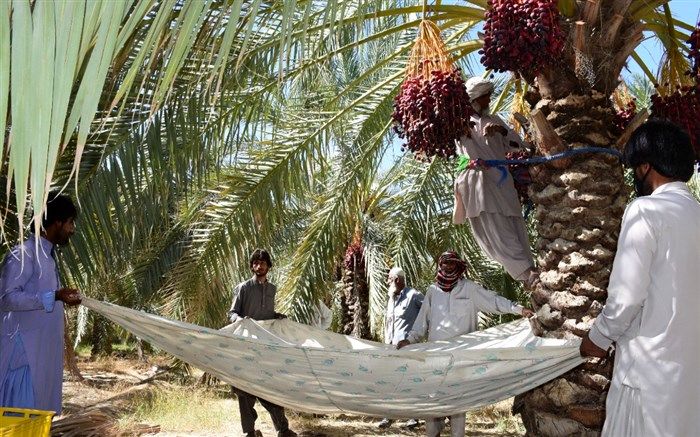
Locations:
(260, 255)
(59, 208)
(664, 146)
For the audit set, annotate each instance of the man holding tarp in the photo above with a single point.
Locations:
(451, 308)
(654, 295)
(255, 298)
(401, 311)
(31, 311)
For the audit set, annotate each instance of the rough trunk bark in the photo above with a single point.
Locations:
(355, 297)
(579, 210)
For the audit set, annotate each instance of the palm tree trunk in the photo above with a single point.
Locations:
(579, 211)
(355, 297)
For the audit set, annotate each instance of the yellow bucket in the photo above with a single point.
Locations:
(19, 422)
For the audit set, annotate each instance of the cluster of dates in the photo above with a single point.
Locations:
(683, 106)
(521, 174)
(521, 35)
(624, 115)
(683, 109)
(431, 113)
(354, 256)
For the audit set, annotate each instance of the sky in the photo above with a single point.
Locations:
(651, 51)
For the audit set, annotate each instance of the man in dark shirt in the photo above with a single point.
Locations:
(255, 298)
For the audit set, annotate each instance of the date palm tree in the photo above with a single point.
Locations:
(192, 132)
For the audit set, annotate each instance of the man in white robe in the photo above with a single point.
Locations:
(450, 308)
(654, 295)
(487, 197)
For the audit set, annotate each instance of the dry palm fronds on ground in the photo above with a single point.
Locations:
(98, 421)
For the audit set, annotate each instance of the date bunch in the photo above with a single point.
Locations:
(521, 174)
(431, 113)
(521, 35)
(694, 55)
(624, 114)
(683, 109)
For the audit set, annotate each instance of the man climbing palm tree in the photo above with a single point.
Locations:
(486, 197)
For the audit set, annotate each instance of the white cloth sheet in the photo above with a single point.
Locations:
(304, 368)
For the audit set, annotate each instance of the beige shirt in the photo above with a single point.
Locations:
(652, 310)
(478, 190)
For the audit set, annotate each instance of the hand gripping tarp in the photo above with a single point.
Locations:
(307, 369)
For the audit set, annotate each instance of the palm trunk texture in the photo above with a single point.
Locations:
(355, 295)
(579, 209)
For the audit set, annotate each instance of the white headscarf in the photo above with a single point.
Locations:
(398, 272)
(478, 86)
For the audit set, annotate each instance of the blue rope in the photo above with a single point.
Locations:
(501, 164)
(464, 160)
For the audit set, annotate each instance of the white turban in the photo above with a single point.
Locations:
(478, 86)
(398, 272)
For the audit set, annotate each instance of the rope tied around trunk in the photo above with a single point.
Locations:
(464, 162)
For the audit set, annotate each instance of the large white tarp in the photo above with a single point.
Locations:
(307, 369)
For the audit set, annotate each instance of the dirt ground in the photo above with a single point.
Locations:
(106, 402)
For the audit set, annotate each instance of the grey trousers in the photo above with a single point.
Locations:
(246, 405)
(504, 240)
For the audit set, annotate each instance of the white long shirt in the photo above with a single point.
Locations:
(446, 315)
(481, 190)
(652, 310)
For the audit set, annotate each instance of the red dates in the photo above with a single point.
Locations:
(521, 35)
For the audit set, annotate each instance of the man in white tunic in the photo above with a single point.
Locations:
(654, 295)
(450, 308)
(487, 197)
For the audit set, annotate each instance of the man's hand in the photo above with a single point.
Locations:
(589, 349)
(527, 312)
(280, 316)
(69, 296)
(402, 343)
(492, 128)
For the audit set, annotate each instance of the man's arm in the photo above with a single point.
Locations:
(514, 141)
(412, 310)
(13, 282)
(490, 302)
(236, 310)
(277, 315)
(418, 299)
(629, 280)
(420, 325)
(511, 140)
